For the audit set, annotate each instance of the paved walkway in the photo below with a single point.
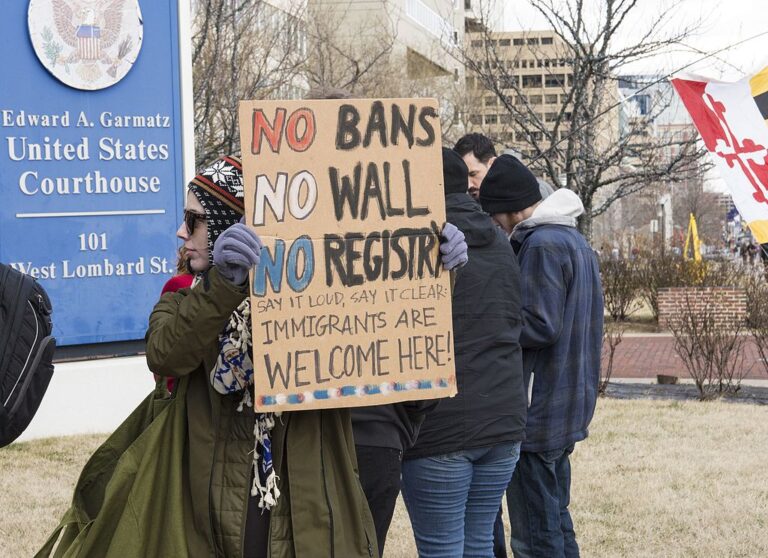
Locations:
(90, 396)
(625, 389)
(97, 395)
(645, 355)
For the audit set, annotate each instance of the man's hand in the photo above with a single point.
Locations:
(453, 247)
(235, 252)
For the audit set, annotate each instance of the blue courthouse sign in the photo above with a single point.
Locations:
(91, 158)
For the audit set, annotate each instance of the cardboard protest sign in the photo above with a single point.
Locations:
(350, 304)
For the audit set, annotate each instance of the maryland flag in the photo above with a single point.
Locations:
(732, 119)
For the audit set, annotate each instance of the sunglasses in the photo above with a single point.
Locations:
(191, 218)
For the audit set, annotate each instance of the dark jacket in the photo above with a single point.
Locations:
(322, 510)
(393, 426)
(562, 323)
(490, 406)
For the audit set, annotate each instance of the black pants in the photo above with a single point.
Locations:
(256, 529)
(380, 477)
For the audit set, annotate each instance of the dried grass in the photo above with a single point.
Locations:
(655, 478)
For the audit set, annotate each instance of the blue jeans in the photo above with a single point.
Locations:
(538, 499)
(453, 499)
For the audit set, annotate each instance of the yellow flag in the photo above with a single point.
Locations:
(692, 241)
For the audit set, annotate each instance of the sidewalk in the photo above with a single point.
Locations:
(645, 355)
(95, 396)
(90, 396)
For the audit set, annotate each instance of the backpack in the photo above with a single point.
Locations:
(26, 351)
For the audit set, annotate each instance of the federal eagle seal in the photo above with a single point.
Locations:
(86, 44)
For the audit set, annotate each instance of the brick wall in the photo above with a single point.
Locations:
(728, 305)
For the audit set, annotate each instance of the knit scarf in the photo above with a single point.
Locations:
(233, 373)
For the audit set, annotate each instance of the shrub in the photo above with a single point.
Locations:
(711, 347)
(654, 273)
(613, 332)
(757, 314)
(621, 287)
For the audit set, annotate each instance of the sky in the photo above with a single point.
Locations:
(722, 23)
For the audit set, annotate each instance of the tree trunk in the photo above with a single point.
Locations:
(585, 222)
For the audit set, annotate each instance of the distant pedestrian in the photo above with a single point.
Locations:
(478, 153)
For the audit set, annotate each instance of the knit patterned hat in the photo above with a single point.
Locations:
(219, 189)
(509, 186)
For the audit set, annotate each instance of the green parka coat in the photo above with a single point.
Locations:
(175, 475)
(322, 511)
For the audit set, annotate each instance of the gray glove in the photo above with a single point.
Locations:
(235, 252)
(453, 247)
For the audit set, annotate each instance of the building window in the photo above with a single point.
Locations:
(518, 42)
(532, 81)
(554, 80)
(467, 4)
(563, 99)
(643, 104)
(490, 101)
(508, 82)
(491, 119)
(477, 43)
(546, 40)
(550, 116)
(534, 99)
(525, 64)
(532, 41)
(570, 80)
(550, 99)
(505, 118)
(476, 119)
(503, 42)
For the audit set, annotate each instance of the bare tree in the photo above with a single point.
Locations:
(241, 49)
(580, 145)
(375, 66)
(338, 57)
(613, 333)
(690, 198)
(253, 49)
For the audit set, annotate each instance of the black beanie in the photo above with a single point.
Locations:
(508, 186)
(455, 173)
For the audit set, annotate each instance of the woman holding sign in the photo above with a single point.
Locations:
(250, 478)
(198, 473)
